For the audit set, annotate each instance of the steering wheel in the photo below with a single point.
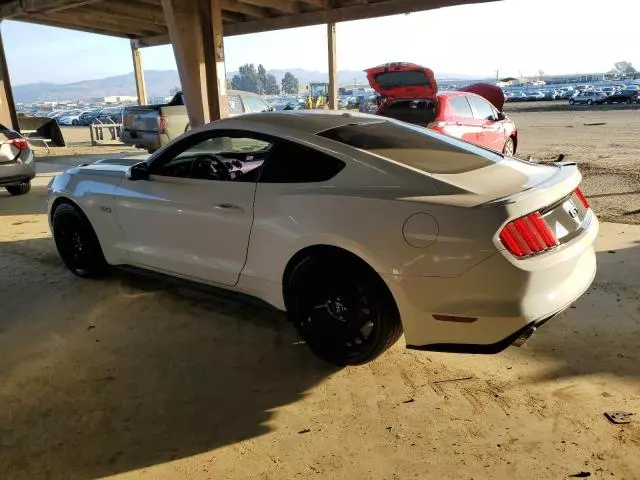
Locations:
(217, 167)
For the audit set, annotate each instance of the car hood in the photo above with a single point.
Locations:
(492, 93)
(403, 81)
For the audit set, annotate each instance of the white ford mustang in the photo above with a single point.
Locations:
(358, 226)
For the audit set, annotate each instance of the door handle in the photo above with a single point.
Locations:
(229, 206)
(459, 123)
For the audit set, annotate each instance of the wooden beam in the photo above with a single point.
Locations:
(213, 42)
(36, 19)
(343, 14)
(153, 41)
(146, 13)
(8, 115)
(244, 8)
(94, 25)
(333, 66)
(132, 24)
(317, 3)
(286, 6)
(138, 73)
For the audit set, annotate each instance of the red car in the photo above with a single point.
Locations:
(410, 93)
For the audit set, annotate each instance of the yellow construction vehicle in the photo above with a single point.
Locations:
(318, 96)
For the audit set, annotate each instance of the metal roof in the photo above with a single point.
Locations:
(144, 21)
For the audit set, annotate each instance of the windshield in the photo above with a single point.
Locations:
(413, 146)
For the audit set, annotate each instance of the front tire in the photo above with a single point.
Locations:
(75, 123)
(21, 189)
(589, 102)
(342, 309)
(572, 101)
(77, 242)
(509, 148)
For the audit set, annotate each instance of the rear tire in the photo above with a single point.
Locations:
(21, 189)
(509, 148)
(589, 102)
(572, 101)
(342, 309)
(77, 242)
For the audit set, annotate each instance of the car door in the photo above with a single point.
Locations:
(459, 120)
(491, 131)
(193, 216)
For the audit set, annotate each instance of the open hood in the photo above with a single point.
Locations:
(491, 93)
(403, 81)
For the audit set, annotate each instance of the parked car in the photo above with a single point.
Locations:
(110, 115)
(87, 118)
(328, 216)
(589, 97)
(409, 93)
(624, 96)
(535, 96)
(518, 97)
(567, 94)
(17, 165)
(551, 95)
(152, 126)
(608, 90)
(70, 118)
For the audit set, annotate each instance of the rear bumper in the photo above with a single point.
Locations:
(15, 173)
(496, 302)
(148, 140)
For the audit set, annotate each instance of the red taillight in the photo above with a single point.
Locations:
(162, 123)
(582, 198)
(19, 143)
(528, 235)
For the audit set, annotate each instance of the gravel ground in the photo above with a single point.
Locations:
(603, 140)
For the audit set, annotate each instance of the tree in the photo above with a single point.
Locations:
(624, 68)
(290, 84)
(262, 80)
(246, 79)
(271, 86)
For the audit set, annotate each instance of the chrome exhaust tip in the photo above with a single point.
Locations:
(524, 336)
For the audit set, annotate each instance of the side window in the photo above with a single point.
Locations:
(482, 108)
(292, 163)
(461, 107)
(235, 104)
(221, 158)
(256, 104)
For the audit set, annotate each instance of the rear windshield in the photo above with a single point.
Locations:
(412, 78)
(414, 146)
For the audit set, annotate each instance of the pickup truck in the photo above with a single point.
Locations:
(153, 126)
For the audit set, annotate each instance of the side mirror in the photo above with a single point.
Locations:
(501, 116)
(139, 171)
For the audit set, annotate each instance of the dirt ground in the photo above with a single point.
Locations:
(134, 377)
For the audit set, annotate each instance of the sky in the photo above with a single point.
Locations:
(515, 37)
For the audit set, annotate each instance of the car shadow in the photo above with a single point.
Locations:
(34, 202)
(599, 334)
(101, 377)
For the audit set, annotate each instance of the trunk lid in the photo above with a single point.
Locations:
(400, 80)
(141, 119)
(492, 93)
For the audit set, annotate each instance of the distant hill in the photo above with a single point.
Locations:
(159, 83)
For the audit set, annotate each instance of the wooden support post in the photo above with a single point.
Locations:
(185, 31)
(195, 30)
(138, 73)
(8, 116)
(333, 66)
(213, 36)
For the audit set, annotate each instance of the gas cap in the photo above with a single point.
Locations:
(420, 230)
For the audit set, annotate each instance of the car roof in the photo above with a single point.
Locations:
(311, 122)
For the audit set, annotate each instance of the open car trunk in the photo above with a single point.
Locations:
(409, 92)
